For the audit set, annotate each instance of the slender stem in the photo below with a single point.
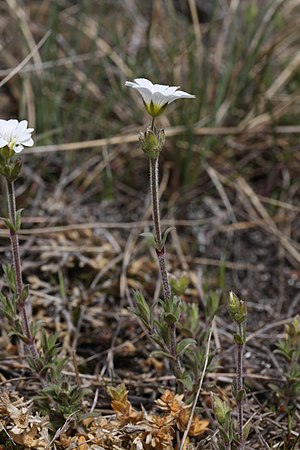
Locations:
(160, 250)
(161, 253)
(14, 240)
(155, 198)
(239, 385)
(152, 123)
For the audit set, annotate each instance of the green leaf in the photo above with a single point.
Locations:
(165, 235)
(163, 331)
(8, 224)
(22, 337)
(240, 395)
(222, 411)
(142, 310)
(246, 430)
(161, 353)
(24, 295)
(18, 219)
(10, 276)
(212, 303)
(179, 285)
(35, 327)
(186, 380)
(151, 238)
(184, 344)
(238, 339)
(170, 318)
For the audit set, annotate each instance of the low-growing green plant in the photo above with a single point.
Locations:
(223, 415)
(57, 398)
(163, 329)
(234, 435)
(238, 312)
(289, 349)
(13, 136)
(171, 314)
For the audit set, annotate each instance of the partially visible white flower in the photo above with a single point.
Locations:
(15, 134)
(156, 97)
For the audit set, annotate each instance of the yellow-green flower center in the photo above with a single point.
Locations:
(154, 109)
(12, 143)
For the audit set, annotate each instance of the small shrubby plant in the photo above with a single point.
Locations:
(289, 350)
(57, 397)
(162, 327)
(14, 136)
(234, 435)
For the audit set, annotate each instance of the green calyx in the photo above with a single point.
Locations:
(237, 308)
(6, 153)
(152, 141)
(11, 170)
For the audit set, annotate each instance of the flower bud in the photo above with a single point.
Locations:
(152, 142)
(6, 153)
(16, 168)
(11, 171)
(237, 308)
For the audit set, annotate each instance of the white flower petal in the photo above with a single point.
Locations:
(12, 123)
(18, 148)
(3, 142)
(130, 84)
(159, 99)
(178, 95)
(11, 126)
(143, 82)
(157, 96)
(171, 89)
(28, 142)
(182, 94)
(146, 94)
(15, 134)
(22, 126)
(160, 88)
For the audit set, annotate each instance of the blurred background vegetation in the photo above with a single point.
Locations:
(232, 155)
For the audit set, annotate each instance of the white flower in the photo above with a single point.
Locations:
(15, 134)
(156, 97)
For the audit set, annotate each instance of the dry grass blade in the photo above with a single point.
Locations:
(25, 60)
(170, 132)
(20, 13)
(269, 224)
(216, 180)
(89, 27)
(197, 30)
(283, 77)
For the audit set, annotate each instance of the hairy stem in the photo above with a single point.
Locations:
(239, 385)
(14, 241)
(161, 255)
